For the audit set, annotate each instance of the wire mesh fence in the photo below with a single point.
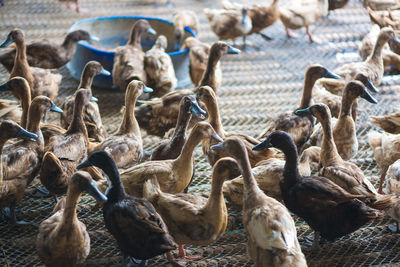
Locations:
(257, 85)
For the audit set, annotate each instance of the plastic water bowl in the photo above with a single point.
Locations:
(114, 32)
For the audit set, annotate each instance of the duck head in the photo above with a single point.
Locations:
(279, 139)
(15, 36)
(80, 35)
(94, 68)
(190, 105)
(320, 111)
(364, 79)
(356, 89)
(18, 87)
(219, 49)
(205, 131)
(317, 71)
(10, 129)
(162, 43)
(387, 34)
(83, 182)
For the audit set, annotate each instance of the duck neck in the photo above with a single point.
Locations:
(346, 107)
(291, 169)
(188, 148)
(69, 214)
(77, 124)
(328, 148)
(25, 103)
(129, 123)
(209, 74)
(216, 198)
(309, 82)
(21, 66)
(35, 114)
(115, 190)
(214, 117)
(134, 37)
(377, 51)
(250, 185)
(69, 44)
(86, 79)
(181, 128)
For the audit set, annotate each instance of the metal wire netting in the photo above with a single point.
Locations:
(256, 85)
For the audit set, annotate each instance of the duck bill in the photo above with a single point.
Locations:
(147, 89)
(95, 192)
(5, 87)
(216, 137)
(261, 146)
(94, 99)
(396, 40)
(105, 72)
(54, 108)
(7, 42)
(233, 50)
(83, 165)
(196, 110)
(151, 31)
(371, 87)
(94, 38)
(367, 96)
(331, 75)
(24, 134)
(303, 112)
(217, 147)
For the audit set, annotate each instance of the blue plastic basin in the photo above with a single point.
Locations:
(113, 32)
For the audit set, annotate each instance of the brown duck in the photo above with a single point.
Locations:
(344, 173)
(208, 97)
(126, 145)
(41, 82)
(160, 115)
(48, 55)
(12, 190)
(66, 151)
(62, 238)
(128, 59)
(299, 127)
(91, 113)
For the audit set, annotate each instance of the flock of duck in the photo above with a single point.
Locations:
(145, 202)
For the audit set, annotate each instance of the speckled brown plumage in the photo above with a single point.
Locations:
(66, 151)
(160, 115)
(193, 219)
(198, 57)
(126, 145)
(12, 189)
(324, 205)
(41, 81)
(298, 127)
(173, 175)
(91, 112)
(207, 96)
(128, 59)
(62, 239)
(344, 173)
(46, 54)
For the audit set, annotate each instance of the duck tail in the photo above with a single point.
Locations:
(51, 167)
(383, 202)
(151, 189)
